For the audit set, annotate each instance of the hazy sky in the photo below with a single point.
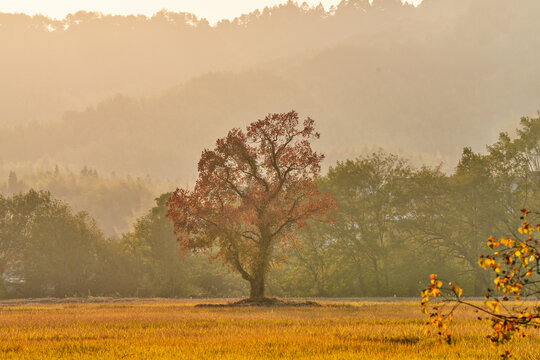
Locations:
(212, 10)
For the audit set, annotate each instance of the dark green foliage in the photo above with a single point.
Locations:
(394, 224)
(47, 250)
(164, 271)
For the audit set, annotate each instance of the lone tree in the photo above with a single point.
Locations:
(253, 191)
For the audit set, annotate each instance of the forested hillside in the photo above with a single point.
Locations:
(422, 81)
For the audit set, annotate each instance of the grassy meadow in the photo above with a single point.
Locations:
(165, 329)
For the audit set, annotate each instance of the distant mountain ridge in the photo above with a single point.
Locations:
(426, 80)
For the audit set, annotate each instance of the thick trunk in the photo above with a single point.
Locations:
(257, 287)
(256, 281)
(258, 275)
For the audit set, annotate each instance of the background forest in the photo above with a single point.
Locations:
(392, 223)
(102, 114)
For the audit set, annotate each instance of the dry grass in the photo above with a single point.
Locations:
(178, 330)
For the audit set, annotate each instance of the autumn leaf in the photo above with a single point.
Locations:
(494, 306)
(458, 290)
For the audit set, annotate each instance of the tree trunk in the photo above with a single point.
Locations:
(257, 287)
(361, 283)
(258, 276)
(377, 281)
(480, 283)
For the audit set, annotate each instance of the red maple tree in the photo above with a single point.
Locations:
(253, 191)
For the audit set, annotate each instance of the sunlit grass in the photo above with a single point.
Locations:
(178, 330)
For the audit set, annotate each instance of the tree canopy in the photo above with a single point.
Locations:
(254, 189)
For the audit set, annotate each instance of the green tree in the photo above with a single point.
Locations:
(163, 270)
(310, 264)
(51, 249)
(515, 163)
(371, 202)
(513, 258)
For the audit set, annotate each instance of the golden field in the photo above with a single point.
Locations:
(168, 329)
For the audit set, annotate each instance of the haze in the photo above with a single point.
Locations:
(171, 149)
(212, 10)
(135, 99)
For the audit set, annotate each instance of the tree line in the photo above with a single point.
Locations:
(393, 223)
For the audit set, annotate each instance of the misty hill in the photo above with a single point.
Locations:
(59, 65)
(426, 80)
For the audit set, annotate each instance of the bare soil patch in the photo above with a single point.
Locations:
(266, 302)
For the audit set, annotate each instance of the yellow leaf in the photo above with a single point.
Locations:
(494, 306)
(507, 242)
